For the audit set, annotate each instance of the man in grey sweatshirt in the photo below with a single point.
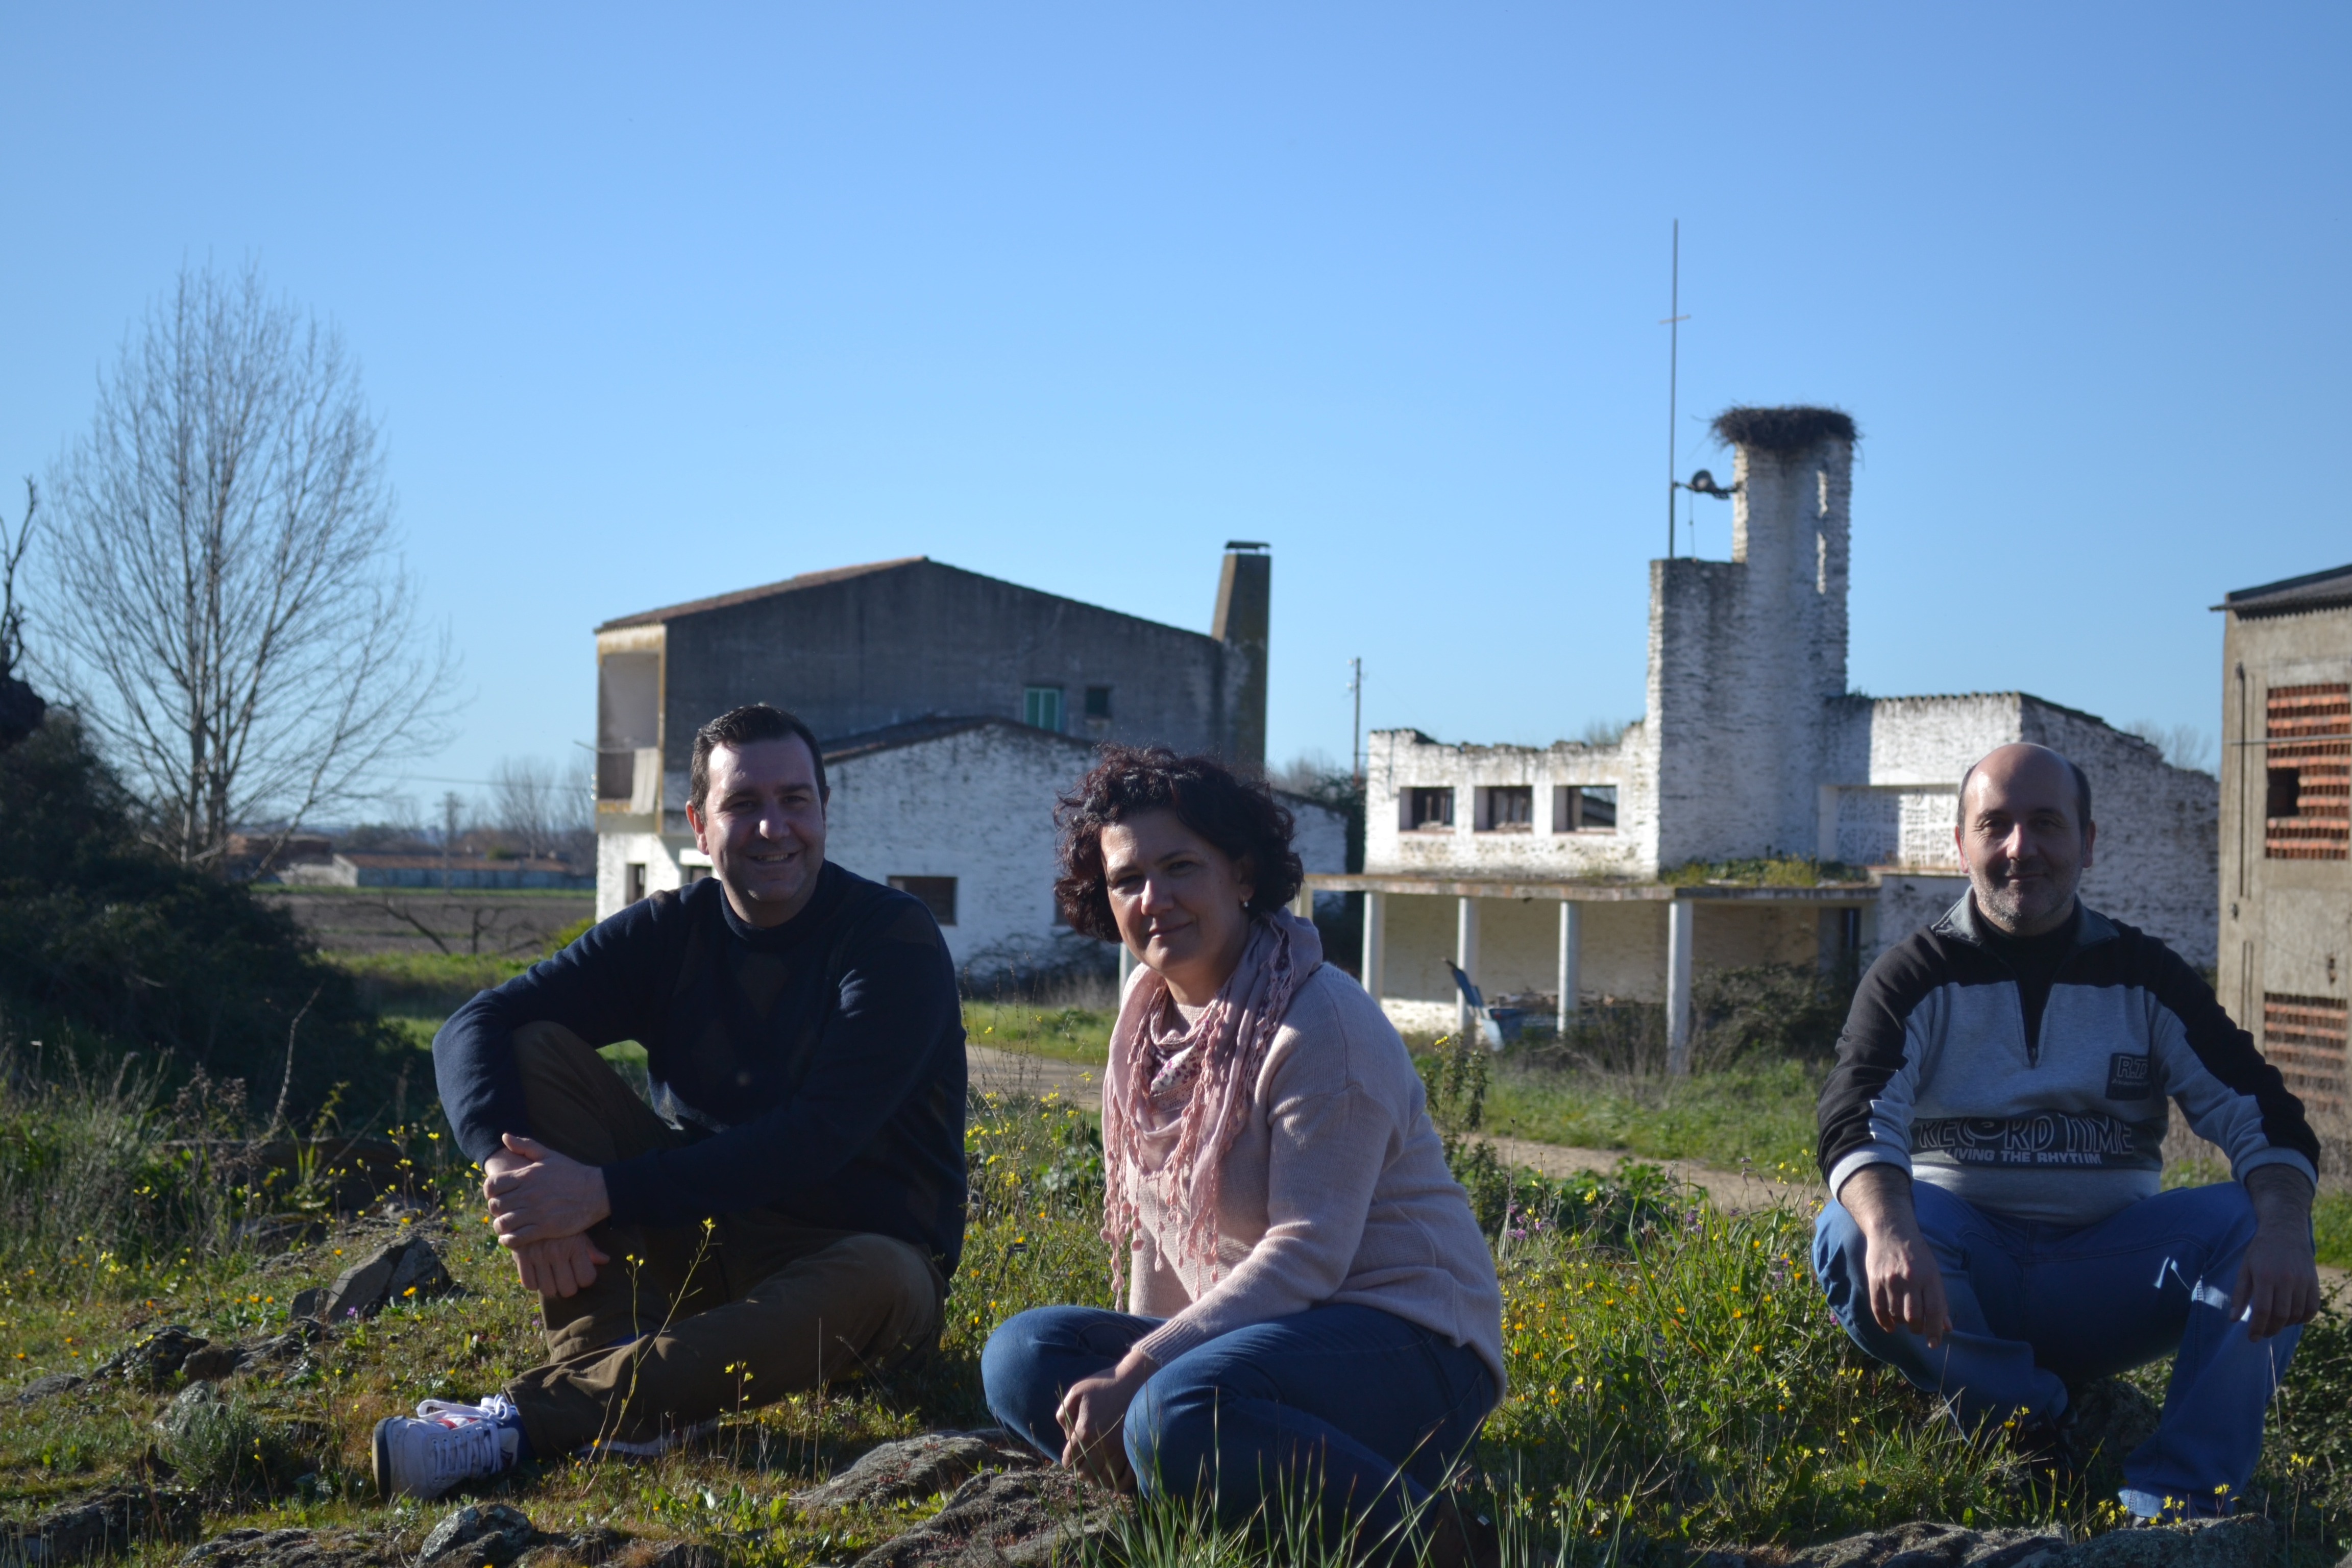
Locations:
(1992, 1133)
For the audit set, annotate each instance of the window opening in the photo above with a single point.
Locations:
(1098, 701)
(1428, 808)
(628, 718)
(1584, 808)
(633, 882)
(1042, 706)
(2307, 804)
(1506, 809)
(938, 895)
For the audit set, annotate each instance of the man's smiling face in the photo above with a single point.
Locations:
(2023, 838)
(763, 823)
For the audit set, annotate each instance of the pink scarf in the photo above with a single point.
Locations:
(1176, 1096)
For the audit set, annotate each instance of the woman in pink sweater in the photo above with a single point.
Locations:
(1311, 1307)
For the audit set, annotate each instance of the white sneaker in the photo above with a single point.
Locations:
(443, 1444)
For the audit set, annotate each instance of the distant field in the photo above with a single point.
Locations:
(493, 922)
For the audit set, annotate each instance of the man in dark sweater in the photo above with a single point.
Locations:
(1993, 1135)
(789, 1208)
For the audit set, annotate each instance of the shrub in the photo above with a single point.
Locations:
(108, 944)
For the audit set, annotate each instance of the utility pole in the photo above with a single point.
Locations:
(1674, 325)
(1356, 732)
(450, 805)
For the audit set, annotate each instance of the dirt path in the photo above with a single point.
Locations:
(1014, 1072)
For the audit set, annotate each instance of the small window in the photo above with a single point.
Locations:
(1584, 808)
(633, 881)
(938, 893)
(1506, 809)
(689, 875)
(1428, 808)
(1098, 701)
(1042, 706)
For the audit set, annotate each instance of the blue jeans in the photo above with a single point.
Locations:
(2037, 1308)
(1367, 1408)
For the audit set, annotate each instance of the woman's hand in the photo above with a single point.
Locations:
(1093, 1415)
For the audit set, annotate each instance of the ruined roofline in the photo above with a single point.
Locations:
(1784, 431)
(1423, 738)
(2312, 591)
(1985, 695)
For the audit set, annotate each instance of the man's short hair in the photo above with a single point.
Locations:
(744, 726)
(2082, 789)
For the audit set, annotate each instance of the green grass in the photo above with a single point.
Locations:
(1066, 1034)
(1762, 1112)
(1675, 1382)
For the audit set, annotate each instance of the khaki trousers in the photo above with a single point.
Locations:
(690, 1321)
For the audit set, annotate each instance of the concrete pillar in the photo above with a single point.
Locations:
(1376, 943)
(1465, 955)
(1126, 966)
(1679, 986)
(1303, 904)
(1571, 959)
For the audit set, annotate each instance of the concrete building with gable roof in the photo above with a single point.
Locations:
(1554, 874)
(953, 709)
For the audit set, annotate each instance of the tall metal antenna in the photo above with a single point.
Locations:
(1674, 325)
(1356, 686)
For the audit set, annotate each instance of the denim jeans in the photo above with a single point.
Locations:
(1364, 1409)
(2037, 1308)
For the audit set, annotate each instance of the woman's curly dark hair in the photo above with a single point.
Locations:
(1241, 819)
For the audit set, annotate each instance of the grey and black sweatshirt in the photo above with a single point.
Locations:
(2054, 1112)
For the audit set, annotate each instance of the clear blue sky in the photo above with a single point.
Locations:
(654, 306)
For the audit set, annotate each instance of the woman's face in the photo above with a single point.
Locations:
(1178, 900)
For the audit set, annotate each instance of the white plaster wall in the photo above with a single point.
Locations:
(1625, 951)
(1399, 760)
(1317, 833)
(1419, 941)
(1727, 935)
(1906, 904)
(623, 840)
(977, 805)
(2159, 852)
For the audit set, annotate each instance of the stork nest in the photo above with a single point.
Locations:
(1784, 430)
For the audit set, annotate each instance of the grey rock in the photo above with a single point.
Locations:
(154, 1358)
(307, 1303)
(103, 1524)
(480, 1533)
(673, 1554)
(210, 1363)
(289, 1549)
(189, 1407)
(1022, 1519)
(404, 1270)
(49, 1387)
(915, 1468)
(1924, 1543)
(583, 1549)
(2245, 1542)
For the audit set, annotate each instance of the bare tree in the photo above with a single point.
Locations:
(527, 803)
(20, 706)
(229, 610)
(2183, 745)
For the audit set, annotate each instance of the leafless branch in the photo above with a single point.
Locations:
(228, 598)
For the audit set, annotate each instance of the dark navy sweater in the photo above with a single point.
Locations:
(817, 1066)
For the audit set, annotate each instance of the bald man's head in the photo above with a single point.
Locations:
(2025, 834)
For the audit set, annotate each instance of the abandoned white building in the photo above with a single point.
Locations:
(2285, 966)
(1571, 871)
(953, 709)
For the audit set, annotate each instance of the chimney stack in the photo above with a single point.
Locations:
(1244, 610)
